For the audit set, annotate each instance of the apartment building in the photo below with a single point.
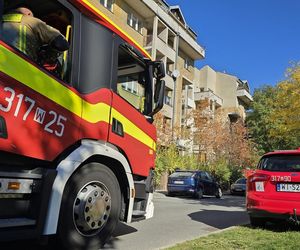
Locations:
(224, 91)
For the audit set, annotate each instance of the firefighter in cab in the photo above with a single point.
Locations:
(29, 34)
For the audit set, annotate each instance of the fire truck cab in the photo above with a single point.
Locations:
(77, 143)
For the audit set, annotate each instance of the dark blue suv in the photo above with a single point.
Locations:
(195, 183)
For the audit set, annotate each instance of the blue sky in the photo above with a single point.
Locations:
(253, 39)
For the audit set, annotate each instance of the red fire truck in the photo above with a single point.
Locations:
(77, 142)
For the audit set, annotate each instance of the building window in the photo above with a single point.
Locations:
(134, 22)
(168, 100)
(188, 63)
(129, 84)
(108, 4)
(202, 90)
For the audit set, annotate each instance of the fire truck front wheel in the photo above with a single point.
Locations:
(90, 208)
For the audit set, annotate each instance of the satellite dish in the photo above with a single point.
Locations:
(175, 74)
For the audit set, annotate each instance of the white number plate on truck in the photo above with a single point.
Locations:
(282, 187)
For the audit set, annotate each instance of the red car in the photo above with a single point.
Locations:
(273, 189)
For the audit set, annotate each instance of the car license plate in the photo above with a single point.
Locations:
(178, 182)
(282, 187)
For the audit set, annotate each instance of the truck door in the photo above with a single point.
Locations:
(130, 130)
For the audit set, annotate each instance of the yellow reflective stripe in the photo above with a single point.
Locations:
(115, 25)
(24, 38)
(94, 113)
(12, 18)
(131, 129)
(20, 38)
(48, 86)
(61, 95)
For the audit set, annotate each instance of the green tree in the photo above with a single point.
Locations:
(167, 160)
(259, 119)
(220, 170)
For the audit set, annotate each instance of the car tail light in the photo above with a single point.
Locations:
(256, 182)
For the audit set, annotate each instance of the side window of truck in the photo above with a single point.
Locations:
(131, 79)
(33, 30)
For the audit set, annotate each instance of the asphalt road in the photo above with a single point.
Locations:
(176, 219)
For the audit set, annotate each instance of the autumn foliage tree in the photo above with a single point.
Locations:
(274, 121)
(227, 146)
(222, 138)
(286, 111)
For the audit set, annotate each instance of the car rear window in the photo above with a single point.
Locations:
(241, 181)
(182, 174)
(280, 163)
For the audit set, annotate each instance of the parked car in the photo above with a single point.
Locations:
(239, 187)
(273, 190)
(195, 183)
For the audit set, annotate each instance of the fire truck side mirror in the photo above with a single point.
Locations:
(159, 70)
(159, 94)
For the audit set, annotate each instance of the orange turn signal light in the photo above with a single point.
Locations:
(14, 185)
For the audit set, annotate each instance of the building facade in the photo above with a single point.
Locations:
(223, 91)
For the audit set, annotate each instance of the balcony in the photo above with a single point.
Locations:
(162, 46)
(188, 102)
(165, 49)
(167, 111)
(169, 81)
(188, 43)
(210, 95)
(244, 96)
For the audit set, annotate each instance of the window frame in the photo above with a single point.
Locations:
(133, 89)
(148, 105)
(138, 26)
(104, 4)
(188, 63)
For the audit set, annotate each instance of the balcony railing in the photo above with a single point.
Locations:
(245, 96)
(210, 95)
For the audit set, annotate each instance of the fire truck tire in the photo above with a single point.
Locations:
(90, 208)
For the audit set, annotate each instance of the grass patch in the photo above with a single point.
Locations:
(244, 237)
